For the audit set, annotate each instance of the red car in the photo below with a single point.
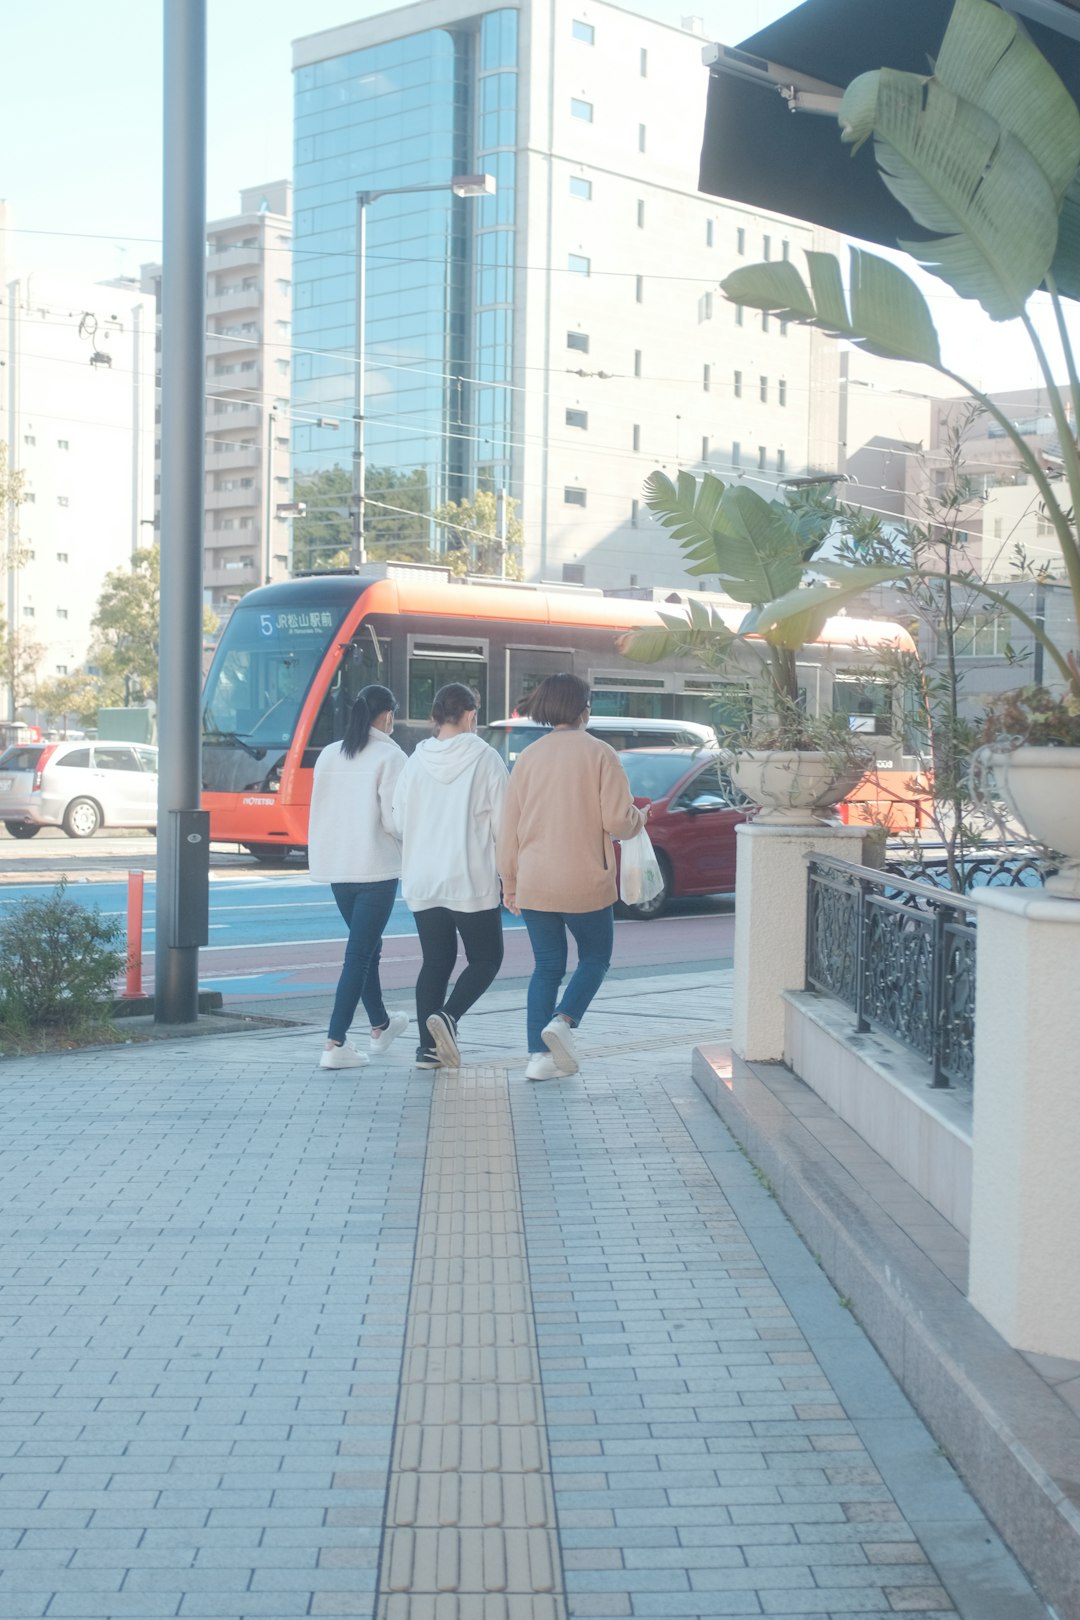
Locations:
(692, 821)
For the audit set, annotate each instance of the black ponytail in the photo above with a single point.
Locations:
(371, 702)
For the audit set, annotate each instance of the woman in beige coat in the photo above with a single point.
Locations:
(568, 798)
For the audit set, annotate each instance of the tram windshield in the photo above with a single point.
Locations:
(261, 674)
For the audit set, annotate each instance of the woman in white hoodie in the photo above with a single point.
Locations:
(447, 806)
(353, 845)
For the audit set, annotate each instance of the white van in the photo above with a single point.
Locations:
(509, 737)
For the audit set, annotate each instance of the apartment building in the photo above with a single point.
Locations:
(248, 367)
(77, 415)
(566, 336)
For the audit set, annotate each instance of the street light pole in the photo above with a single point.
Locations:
(182, 876)
(462, 185)
(268, 495)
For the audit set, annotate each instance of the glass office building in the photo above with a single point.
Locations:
(439, 269)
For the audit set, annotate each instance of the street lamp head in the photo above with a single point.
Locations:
(473, 185)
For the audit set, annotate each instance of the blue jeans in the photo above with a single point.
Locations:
(366, 907)
(594, 934)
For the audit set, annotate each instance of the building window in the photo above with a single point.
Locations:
(644, 63)
(737, 385)
(984, 635)
(573, 573)
(736, 453)
(781, 461)
(28, 613)
(740, 240)
(573, 496)
(705, 307)
(762, 458)
(29, 496)
(738, 314)
(581, 109)
(580, 187)
(708, 233)
(641, 137)
(61, 556)
(62, 500)
(61, 669)
(706, 378)
(641, 215)
(577, 419)
(583, 31)
(635, 438)
(781, 389)
(635, 507)
(783, 328)
(766, 247)
(63, 444)
(785, 250)
(578, 340)
(29, 438)
(763, 390)
(704, 448)
(764, 320)
(578, 264)
(637, 362)
(639, 289)
(61, 613)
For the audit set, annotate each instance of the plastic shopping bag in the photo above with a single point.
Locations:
(640, 878)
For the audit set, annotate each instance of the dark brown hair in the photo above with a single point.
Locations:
(452, 703)
(559, 701)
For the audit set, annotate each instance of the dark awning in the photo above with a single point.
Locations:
(756, 151)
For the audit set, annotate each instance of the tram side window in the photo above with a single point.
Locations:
(427, 674)
(358, 668)
(866, 705)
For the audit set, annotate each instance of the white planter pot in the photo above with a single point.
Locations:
(1041, 786)
(793, 788)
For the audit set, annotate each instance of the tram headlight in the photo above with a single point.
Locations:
(273, 780)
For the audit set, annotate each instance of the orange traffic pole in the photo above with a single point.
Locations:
(134, 934)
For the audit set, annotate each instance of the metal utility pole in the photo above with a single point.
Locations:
(268, 496)
(500, 530)
(359, 550)
(183, 844)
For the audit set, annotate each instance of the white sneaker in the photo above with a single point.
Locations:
(342, 1057)
(386, 1037)
(541, 1066)
(558, 1037)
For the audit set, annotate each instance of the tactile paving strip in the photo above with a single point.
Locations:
(470, 1518)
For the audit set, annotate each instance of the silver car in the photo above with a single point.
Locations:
(79, 786)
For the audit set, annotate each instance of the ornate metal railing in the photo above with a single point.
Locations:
(996, 866)
(901, 955)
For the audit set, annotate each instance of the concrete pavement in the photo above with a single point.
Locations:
(280, 1342)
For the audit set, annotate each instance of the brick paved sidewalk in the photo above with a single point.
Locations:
(283, 1342)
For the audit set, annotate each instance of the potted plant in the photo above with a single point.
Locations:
(984, 153)
(796, 768)
(1031, 749)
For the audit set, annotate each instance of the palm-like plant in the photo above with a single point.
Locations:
(985, 152)
(760, 553)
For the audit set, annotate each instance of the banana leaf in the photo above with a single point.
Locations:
(752, 546)
(800, 616)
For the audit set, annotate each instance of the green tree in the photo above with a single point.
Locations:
(71, 697)
(470, 535)
(124, 651)
(397, 505)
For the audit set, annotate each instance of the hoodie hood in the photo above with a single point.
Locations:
(446, 758)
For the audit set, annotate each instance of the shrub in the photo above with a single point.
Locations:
(58, 962)
(1034, 716)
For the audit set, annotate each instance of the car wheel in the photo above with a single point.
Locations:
(82, 818)
(22, 829)
(652, 908)
(267, 854)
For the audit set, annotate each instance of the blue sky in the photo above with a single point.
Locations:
(80, 133)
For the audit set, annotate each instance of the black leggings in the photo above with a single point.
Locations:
(481, 935)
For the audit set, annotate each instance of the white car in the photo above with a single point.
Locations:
(509, 737)
(79, 786)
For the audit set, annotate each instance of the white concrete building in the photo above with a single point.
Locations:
(576, 337)
(248, 364)
(77, 414)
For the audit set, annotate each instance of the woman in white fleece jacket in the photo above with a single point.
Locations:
(353, 845)
(447, 806)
